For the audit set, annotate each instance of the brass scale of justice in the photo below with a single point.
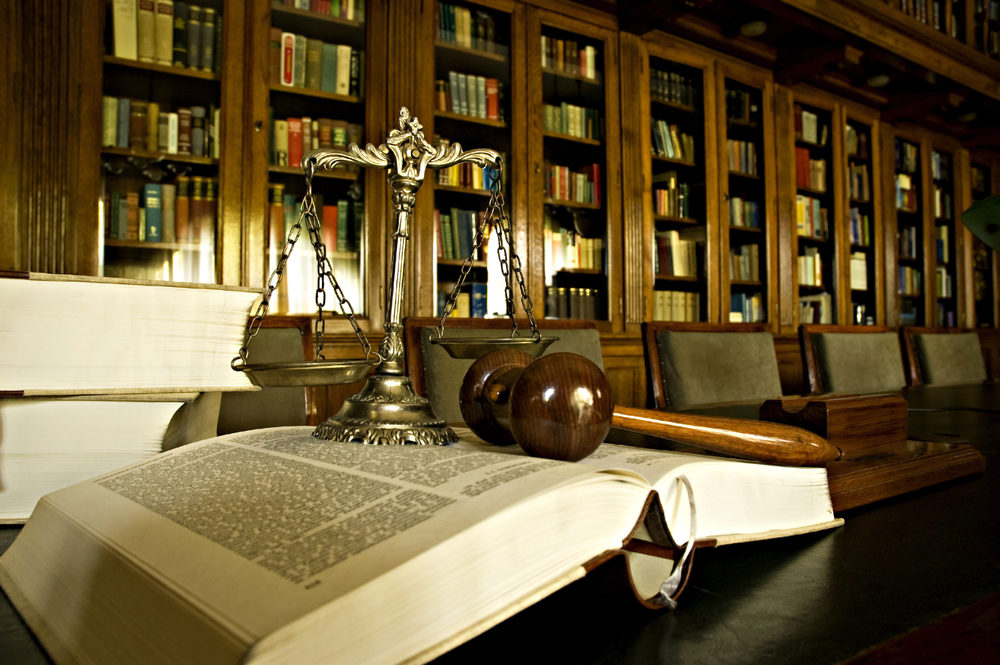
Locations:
(558, 406)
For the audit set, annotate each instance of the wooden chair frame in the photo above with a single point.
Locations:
(914, 375)
(809, 364)
(656, 396)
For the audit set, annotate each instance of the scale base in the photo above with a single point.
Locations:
(387, 412)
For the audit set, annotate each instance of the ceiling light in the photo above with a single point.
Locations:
(753, 28)
(878, 80)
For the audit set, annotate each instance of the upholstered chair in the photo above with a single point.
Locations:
(851, 359)
(698, 364)
(942, 356)
(438, 377)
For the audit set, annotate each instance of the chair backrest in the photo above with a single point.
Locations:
(851, 359)
(693, 364)
(942, 356)
(268, 407)
(438, 377)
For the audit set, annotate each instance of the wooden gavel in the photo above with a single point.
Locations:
(560, 406)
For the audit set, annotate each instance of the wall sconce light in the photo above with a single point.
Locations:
(753, 28)
(878, 80)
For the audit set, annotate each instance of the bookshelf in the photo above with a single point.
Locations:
(863, 228)
(985, 26)
(984, 275)
(747, 199)
(943, 242)
(162, 111)
(573, 64)
(473, 93)
(816, 211)
(314, 92)
(909, 231)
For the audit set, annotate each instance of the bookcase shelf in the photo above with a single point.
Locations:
(745, 101)
(162, 110)
(338, 174)
(861, 220)
(983, 259)
(572, 88)
(911, 262)
(816, 210)
(318, 94)
(944, 238)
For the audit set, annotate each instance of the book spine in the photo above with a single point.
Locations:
(152, 126)
(124, 120)
(314, 64)
(153, 197)
(164, 49)
(124, 20)
(109, 121)
(287, 58)
(169, 206)
(184, 131)
(147, 30)
(182, 208)
(206, 55)
(173, 127)
(299, 62)
(194, 37)
(180, 20)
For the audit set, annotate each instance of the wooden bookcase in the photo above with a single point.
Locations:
(943, 243)
(163, 109)
(908, 206)
(863, 224)
(476, 90)
(573, 201)
(747, 187)
(982, 259)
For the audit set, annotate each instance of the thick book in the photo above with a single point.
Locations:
(47, 443)
(271, 546)
(72, 335)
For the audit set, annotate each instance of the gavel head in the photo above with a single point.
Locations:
(558, 406)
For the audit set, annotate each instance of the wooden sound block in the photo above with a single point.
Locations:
(879, 461)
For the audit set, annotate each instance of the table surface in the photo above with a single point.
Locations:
(894, 566)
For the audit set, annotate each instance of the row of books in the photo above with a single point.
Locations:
(676, 305)
(816, 308)
(906, 193)
(744, 263)
(859, 271)
(142, 125)
(809, 173)
(180, 212)
(672, 143)
(859, 227)
(858, 179)
(742, 156)
(575, 186)
(810, 267)
(303, 62)
(672, 86)
(572, 120)
(571, 302)
(744, 213)
(907, 157)
(293, 138)
(464, 27)
(455, 232)
(569, 57)
(746, 308)
(910, 281)
(808, 128)
(909, 242)
(348, 10)
(811, 218)
(856, 142)
(568, 250)
(470, 95)
(741, 106)
(945, 315)
(942, 203)
(670, 197)
(470, 302)
(341, 223)
(940, 165)
(167, 32)
(675, 256)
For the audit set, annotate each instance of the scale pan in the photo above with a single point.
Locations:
(307, 372)
(471, 348)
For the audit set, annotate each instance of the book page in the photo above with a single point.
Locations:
(273, 523)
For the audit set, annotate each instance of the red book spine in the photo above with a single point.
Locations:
(294, 141)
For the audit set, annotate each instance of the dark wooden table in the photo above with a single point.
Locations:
(911, 579)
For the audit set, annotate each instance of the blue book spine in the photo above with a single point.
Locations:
(478, 305)
(328, 78)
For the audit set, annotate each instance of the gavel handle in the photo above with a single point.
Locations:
(763, 441)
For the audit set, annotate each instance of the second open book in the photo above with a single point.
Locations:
(271, 546)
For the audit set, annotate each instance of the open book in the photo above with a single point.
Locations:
(271, 546)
